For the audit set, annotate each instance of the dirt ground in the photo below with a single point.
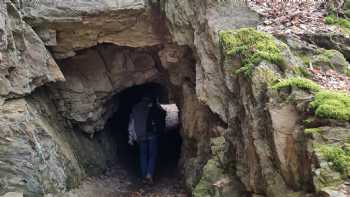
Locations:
(118, 182)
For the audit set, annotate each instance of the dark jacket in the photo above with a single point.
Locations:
(146, 120)
(139, 117)
(156, 120)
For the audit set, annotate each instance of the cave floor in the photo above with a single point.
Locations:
(118, 182)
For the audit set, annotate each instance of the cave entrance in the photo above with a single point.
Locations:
(102, 85)
(170, 141)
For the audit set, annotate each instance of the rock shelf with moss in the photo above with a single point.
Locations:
(298, 82)
(326, 57)
(338, 157)
(332, 104)
(252, 47)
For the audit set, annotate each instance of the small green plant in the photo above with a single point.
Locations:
(332, 104)
(338, 157)
(298, 82)
(252, 47)
(313, 130)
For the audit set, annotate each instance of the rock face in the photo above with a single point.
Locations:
(40, 153)
(25, 62)
(94, 76)
(198, 28)
(265, 143)
(67, 26)
(35, 155)
(54, 111)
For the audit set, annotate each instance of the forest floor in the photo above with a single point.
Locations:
(282, 17)
(118, 182)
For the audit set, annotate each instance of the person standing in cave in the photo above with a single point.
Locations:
(147, 122)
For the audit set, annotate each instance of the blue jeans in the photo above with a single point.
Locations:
(148, 156)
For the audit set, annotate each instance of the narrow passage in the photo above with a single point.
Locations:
(122, 179)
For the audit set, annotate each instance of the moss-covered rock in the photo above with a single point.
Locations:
(330, 59)
(332, 154)
(298, 82)
(252, 47)
(313, 130)
(326, 177)
(338, 157)
(332, 104)
(343, 23)
(211, 173)
(214, 181)
(347, 72)
(301, 71)
(346, 5)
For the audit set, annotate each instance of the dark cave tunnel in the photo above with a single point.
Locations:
(83, 66)
(170, 141)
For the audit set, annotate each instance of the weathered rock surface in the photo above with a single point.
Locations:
(35, 157)
(94, 76)
(25, 62)
(258, 147)
(67, 26)
(197, 24)
(41, 154)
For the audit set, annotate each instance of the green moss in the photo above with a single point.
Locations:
(326, 177)
(347, 71)
(326, 57)
(313, 130)
(308, 120)
(347, 13)
(252, 47)
(266, 75)
(305, 58)
(343, 23)
(332, 104)
(346, 5)
(338, 157)
(298, 82)
(330, 59)
(301, 71)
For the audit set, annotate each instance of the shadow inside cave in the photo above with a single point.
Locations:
(169, 147)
